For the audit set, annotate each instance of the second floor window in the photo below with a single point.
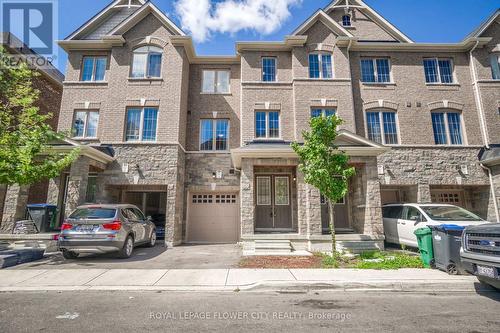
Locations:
(447, 127)
(495, 66)
(267, 124)
(438, 70)
(93, 68)
(216, 81)
(322, 113)
(141, 124)
(382, 127)
(269, 69)
(147, 62)
(320, 66)
(85, 124)
(375, 70)
(214, 134)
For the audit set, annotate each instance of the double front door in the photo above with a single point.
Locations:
(273, 203)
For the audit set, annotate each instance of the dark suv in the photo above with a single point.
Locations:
(480, 252)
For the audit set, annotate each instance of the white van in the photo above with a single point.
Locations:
(401, 220)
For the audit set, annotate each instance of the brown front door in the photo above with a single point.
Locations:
(273, 206)
(341, 215)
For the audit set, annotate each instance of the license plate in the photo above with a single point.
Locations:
(86, 228)
(486, 271)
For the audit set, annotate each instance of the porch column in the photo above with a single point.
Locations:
(77, 184)
(247, 198)
(312, 202)
(373, 218)
(14, 208)
(424, 193)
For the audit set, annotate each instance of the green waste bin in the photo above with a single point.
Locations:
(424, 239)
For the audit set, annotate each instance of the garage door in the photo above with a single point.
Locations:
(213, 218)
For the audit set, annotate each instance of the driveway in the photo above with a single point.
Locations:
(159, 257)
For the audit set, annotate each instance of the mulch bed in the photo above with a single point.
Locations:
(281, 262)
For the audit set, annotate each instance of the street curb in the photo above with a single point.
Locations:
(276, 286)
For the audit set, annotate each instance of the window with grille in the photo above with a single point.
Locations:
(375, 70)
(382, 127)
(438, 70)
(447, 127)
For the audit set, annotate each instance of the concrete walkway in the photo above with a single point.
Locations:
(233, 280)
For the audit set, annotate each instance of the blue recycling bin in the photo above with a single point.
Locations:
(446, 241)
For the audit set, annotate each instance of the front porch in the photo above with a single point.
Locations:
(282, 214)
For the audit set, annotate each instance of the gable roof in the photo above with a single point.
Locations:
(146, 9)
(324, 18)
(371, 13)
(485, 25)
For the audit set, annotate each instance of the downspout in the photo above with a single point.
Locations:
(477, 95)
(493, 194)
(352, 86)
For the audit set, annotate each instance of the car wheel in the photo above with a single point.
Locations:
(127, 249)
(69, 254)
(152, 239)
(452, 269)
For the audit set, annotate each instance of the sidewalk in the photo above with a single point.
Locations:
(424, 280)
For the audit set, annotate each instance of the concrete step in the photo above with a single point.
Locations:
(273, 247)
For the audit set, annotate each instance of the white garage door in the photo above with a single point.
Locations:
(213, 218)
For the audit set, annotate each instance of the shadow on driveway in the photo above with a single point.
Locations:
(159, 257)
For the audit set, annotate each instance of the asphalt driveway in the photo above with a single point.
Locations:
(180, 257)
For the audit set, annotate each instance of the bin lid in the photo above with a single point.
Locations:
(41, 206)
(448, 227)
(423, 231)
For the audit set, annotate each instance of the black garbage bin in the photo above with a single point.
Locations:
(446, 241)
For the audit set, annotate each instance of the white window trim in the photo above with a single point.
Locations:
(269, 202)
(453, 76)
(146, 64)
(214, 134)
(275, 69)
(447, 129)
(215, 82)
(85, 124)
(287, 188)
(382, 129)
(320, 60)
(94, 68)
(267, 137)
(375, 69)
(141, 125)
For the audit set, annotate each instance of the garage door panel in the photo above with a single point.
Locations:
(213, 218)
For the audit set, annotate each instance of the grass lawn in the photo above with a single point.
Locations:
(366, 260)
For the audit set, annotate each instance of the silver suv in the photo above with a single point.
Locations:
(480, 253)
(105, 228)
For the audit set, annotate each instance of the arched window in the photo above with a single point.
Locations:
(447, 127)
(346, 20)
(147, 62)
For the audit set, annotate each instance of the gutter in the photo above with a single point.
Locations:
(493, 194)
(477, 94)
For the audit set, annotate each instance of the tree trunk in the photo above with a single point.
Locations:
(331, 214)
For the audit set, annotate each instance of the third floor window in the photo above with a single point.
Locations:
(382, 127)
(93, 68)
(216, 81)
(269, 69)
(147, 62)
(320, 66)
(375, 70)
(495, 66)
(438, 70)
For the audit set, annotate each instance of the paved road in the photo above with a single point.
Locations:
(159, 257)
(258, 312)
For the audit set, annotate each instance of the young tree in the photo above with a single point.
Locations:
(25, 136)
(324, 166)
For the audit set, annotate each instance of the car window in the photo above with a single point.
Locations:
(450, 213)
(139, 214)
(93, 213)
(130, 214)
(392, 212)
(413, 214)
